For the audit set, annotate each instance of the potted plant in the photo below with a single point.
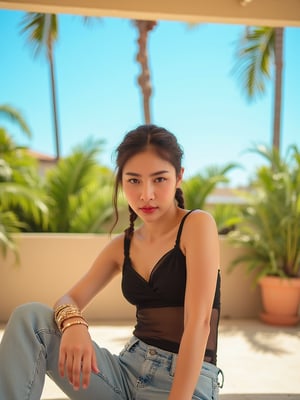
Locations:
(270, 234)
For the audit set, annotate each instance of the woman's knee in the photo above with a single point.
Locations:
(32, 313)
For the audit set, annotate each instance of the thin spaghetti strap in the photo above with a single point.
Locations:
(180, 228)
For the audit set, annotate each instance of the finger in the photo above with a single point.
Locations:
(76, 371)
(94, 364)
(86, 371)
(69, 367)
(61, 363)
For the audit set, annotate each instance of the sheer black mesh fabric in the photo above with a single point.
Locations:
(211, 347)
(160, 326)
(163, 327)
(212, 342)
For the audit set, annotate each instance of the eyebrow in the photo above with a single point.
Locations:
(153, 174)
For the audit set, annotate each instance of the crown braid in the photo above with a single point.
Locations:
(132, 217)
(179, 198)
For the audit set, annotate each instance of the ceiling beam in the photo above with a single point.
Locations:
(244, 12)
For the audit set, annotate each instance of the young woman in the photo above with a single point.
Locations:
(169, 267)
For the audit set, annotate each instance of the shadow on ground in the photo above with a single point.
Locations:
(260, 336)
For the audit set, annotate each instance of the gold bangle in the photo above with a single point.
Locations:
(58, 309)
(67, 314)
(77, 322)
(65, 311)
(63, 308)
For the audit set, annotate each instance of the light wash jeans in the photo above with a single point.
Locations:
(30, 348)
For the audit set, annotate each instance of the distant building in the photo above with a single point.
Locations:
(45, 161)
(226, 195)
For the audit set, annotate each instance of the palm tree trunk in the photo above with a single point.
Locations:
(49, 44)
(144, 80)
(42, 32)
(54, 103)
(278, 87)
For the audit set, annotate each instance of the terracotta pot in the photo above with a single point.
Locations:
(281, 300)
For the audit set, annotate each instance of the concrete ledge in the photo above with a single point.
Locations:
(51, 263)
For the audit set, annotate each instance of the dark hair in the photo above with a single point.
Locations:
(136, 141)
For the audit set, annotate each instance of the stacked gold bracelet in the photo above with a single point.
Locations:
(66, 311)
(76, 322)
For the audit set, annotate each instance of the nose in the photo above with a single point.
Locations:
(147, 192)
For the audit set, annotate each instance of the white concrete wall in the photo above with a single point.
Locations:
(51, 263)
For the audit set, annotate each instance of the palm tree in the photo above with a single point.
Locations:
(10, 113)
(19, 180)
(144, 80)
(20, 184)
(80, 192)
(197, 188)
(42, 30)
(21, 201)
(258, 50)
(9, 225)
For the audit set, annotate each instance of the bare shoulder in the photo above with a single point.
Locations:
(198, 224)
(115, 249)
(199, 219)
(111, 255)
(117, 241)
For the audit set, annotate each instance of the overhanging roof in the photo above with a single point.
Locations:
(245, 12)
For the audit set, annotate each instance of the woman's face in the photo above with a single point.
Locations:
(149, 183)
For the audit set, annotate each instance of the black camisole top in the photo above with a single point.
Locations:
(160, 301)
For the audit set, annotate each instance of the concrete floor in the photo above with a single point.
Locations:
(260, 362)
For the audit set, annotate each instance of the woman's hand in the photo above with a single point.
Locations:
(77, 357)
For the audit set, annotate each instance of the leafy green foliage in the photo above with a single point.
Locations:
(80, 192)
(41, 30)
(227, 216)
(270, 230)
(92, 208)
(11, 114)
(197, 188)
(21, 199)
(9, 225)
(255, 56)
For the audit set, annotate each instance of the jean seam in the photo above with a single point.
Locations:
(105, 379)
(48, 331)
(34, 375)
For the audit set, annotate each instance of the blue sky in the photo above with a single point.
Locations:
(195, 94)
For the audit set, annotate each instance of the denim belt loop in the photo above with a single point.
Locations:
(173, 364)
(131, 343)
(220, 382)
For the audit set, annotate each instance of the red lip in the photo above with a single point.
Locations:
(148, 210)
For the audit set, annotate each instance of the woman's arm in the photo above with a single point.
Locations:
(106, 265)
(77, 356)
(200, 243)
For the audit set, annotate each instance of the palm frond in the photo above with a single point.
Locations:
(92, 209)
(10, 113)
(41, 30)
(270, 226)
(68, 179)
(27, 199)
(255, 55)
(9, 225)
